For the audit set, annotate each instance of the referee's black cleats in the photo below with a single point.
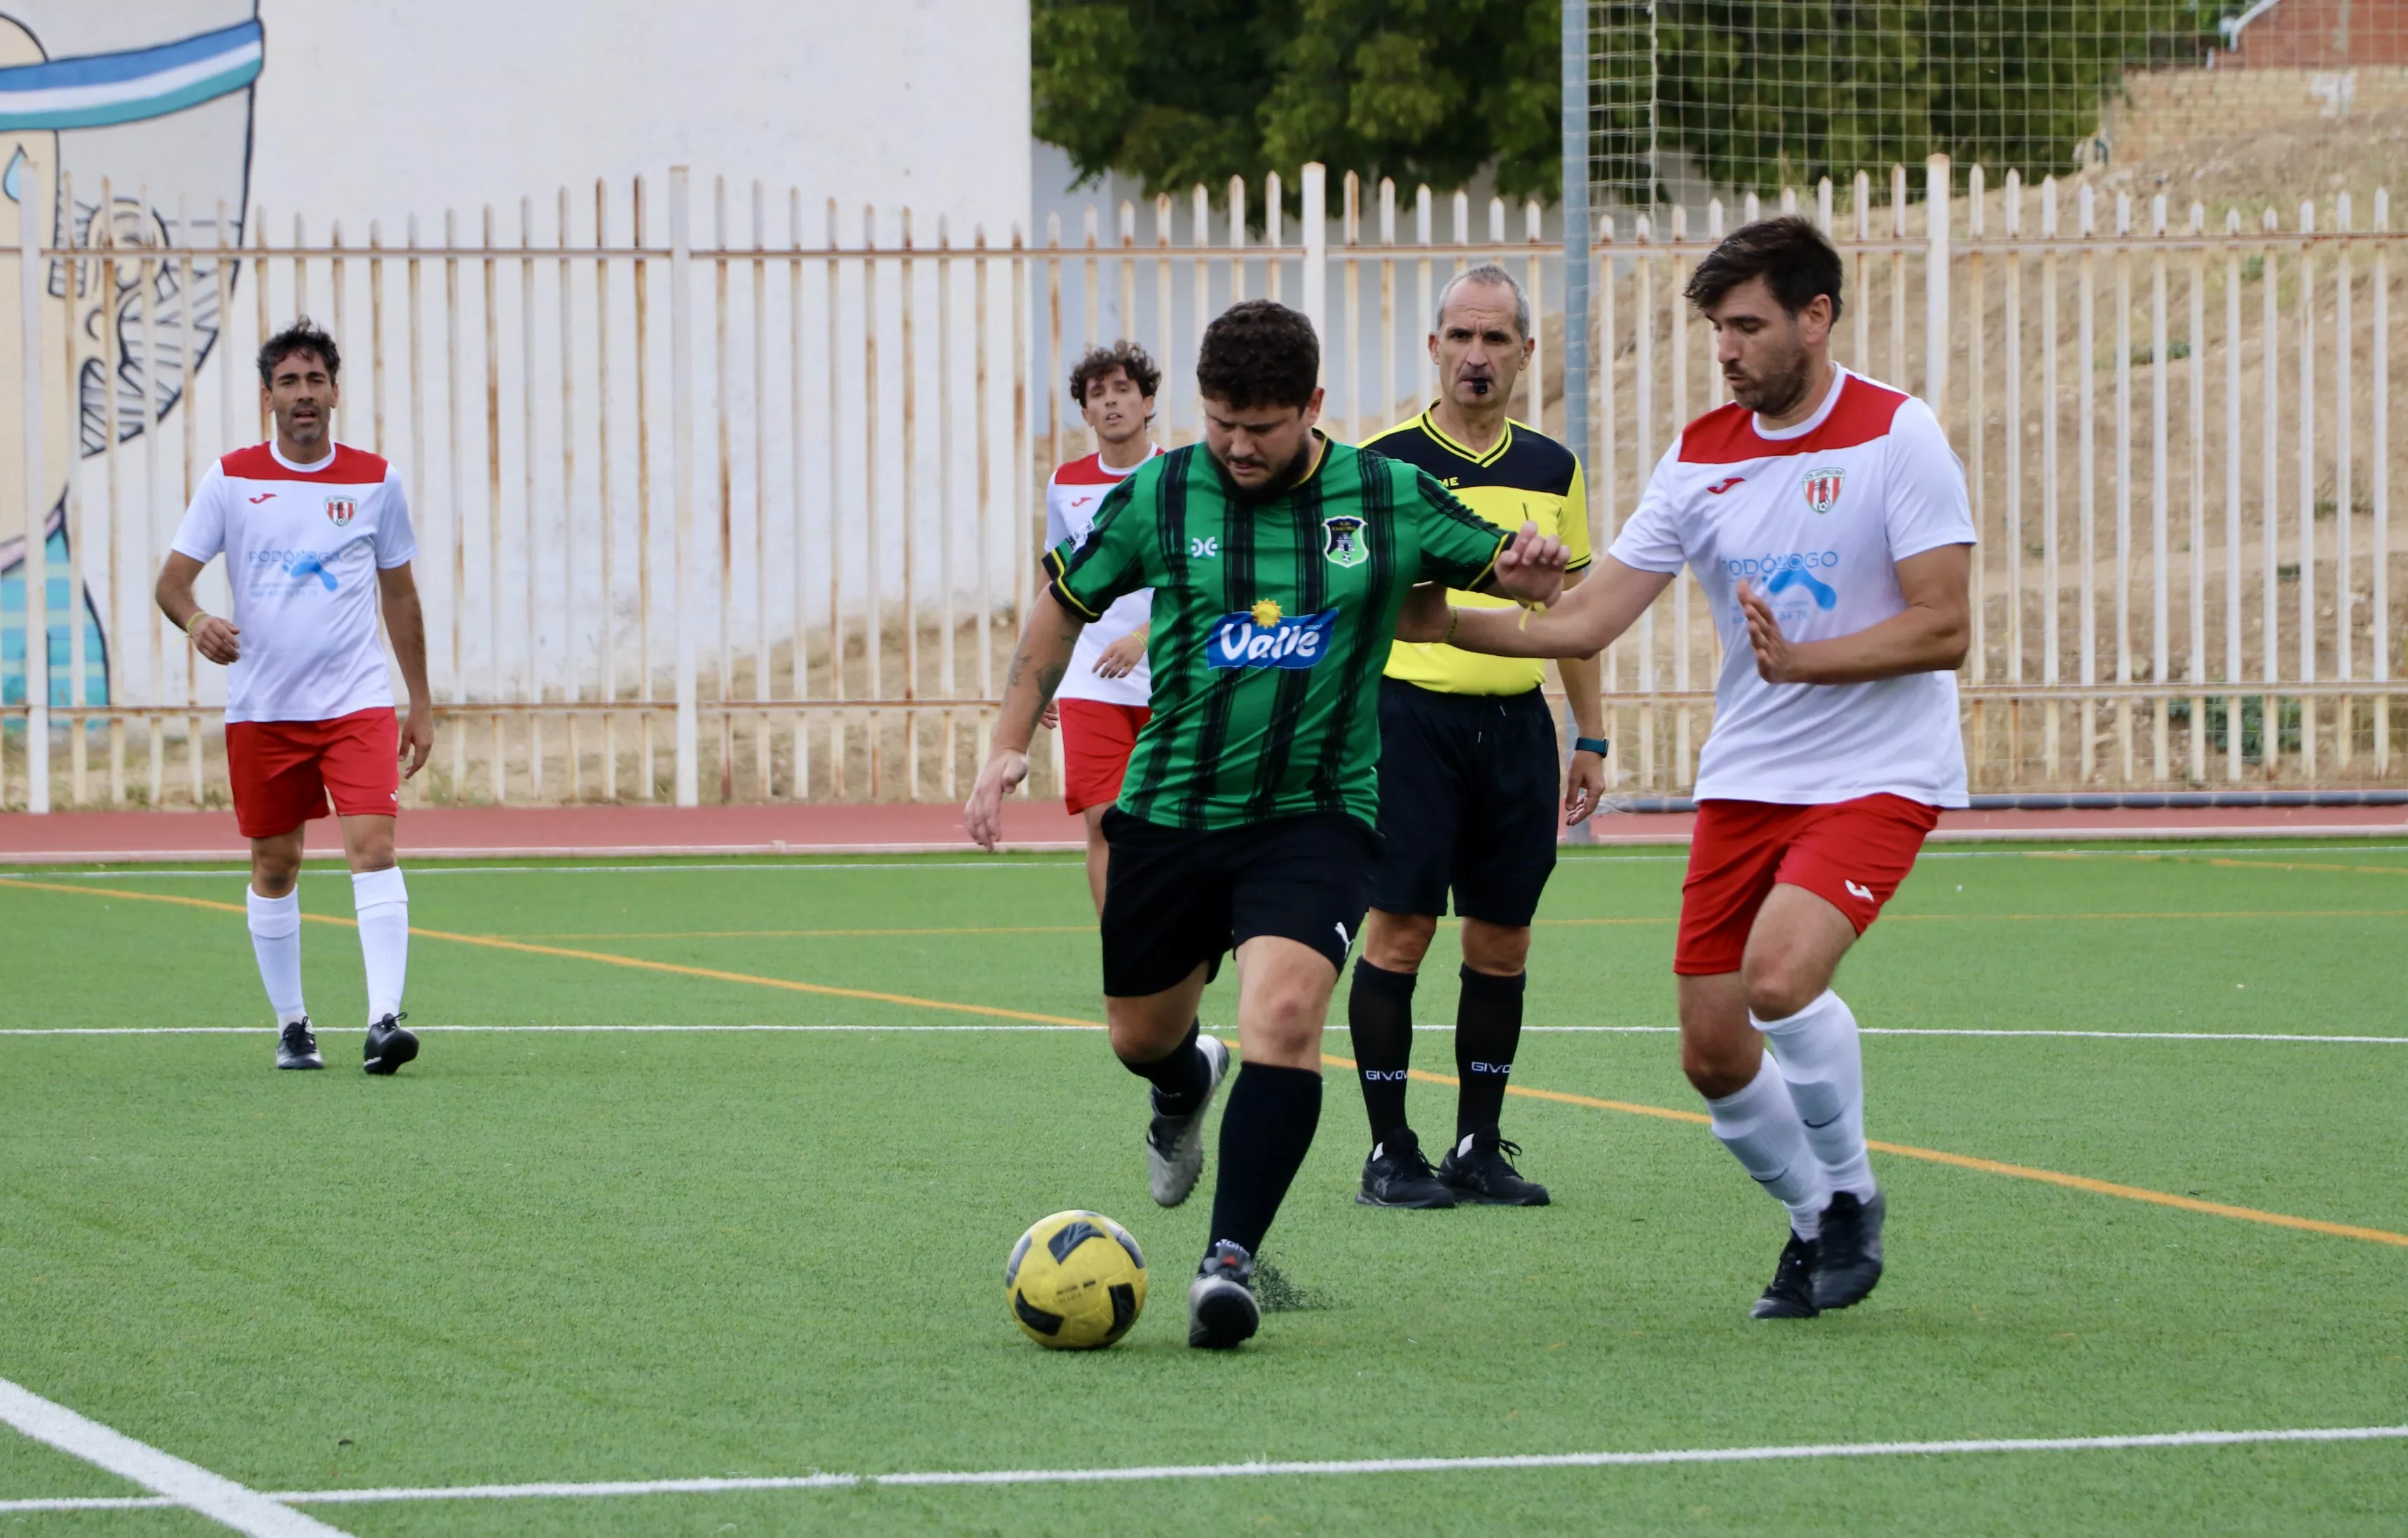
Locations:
(1480, 1170)
(296, 1046)
(1791, 1296)
(1848, 1258)
(1396, 1175)
(388, 1045)
(1174, 1144)
(1222, 1311)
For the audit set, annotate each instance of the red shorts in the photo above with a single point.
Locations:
(1852, 854)
(1096, 741)
(284, 771)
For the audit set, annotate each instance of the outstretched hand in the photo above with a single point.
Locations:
(1531, 568)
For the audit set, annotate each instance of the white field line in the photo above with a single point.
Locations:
(1143, 1472)
(179, 1483)
(792, 866)
(1088, 1030)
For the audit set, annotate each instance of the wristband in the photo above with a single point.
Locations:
(1592, 745)
(197, 615)
(1454, 618)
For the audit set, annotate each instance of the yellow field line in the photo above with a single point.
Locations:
(526, 948)
(1966, 1162)
(804, 933)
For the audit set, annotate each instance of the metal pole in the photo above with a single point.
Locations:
(1578, 431)
(31, 204)
(1315, 192)
(682, 470)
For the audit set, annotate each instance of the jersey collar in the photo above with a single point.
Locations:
(326, 463)
(1495, 451)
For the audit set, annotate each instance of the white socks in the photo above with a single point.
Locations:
(1817, 1051)
(381, 902)
(1760, 1127)
(276, 941)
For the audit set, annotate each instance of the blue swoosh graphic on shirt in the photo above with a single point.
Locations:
(309, 566)
(1799, 576)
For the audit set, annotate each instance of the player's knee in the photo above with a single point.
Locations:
(1495, 950)
(1396, 942)
(1718, 1068)
(1780, 987)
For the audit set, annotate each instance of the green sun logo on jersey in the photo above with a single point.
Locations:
(1342, 541)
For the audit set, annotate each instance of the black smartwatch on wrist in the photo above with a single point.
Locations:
(1591, 745)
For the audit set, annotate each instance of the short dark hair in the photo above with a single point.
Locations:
(1259, 353)
(302, 335)
(1124, 356)
(1789, 253)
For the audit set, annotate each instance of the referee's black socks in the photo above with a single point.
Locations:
(1487, 1032)
(1380, 1018)
(1179, 1079)
(1265, 1133)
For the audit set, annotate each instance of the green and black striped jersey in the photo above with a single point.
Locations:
(1272, 618)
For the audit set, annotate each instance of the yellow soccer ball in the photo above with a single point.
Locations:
(1076, 1281)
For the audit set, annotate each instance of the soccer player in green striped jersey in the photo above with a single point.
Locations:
(1278, 561)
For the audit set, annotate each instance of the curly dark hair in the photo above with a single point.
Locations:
(1125, 356)
(1789, 253)
(1259, 353)
(302, 335)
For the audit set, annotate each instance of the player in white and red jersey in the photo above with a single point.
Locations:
(314, 534)
(1827, 518)
(1105, 699)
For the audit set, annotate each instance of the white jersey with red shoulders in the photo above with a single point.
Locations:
(1815, 517)
(303, 545)
(1072, 498)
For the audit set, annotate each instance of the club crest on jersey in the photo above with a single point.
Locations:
(1341, 543)
(341, 510)
(1823, 488)
(1264, 637)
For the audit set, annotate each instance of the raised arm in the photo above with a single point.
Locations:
(1588, 621)
(1928, 636)
(1036, 668)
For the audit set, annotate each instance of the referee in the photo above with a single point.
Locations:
(1467, 772)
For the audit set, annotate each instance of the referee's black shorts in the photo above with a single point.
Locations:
(1468, 798)
(1176, 899)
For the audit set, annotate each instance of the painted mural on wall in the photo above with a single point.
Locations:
(108, 100)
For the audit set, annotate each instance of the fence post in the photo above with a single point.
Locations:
(32, 201)
(1313, 190)
(1576, 234)
(681, 457)
(1935, 287)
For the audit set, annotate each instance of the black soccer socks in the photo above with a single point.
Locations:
(1265, 1133)
(1487, 1032)
(1181, 1079)
(1380, 1018)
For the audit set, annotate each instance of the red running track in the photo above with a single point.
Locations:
(621, 830)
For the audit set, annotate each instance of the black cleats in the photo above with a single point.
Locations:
(1791, 1296)
(1848, 1258)
(1396, 1175)
(1485, 1174)
(1221, 1308)
(296, 1046)
(388, 1045)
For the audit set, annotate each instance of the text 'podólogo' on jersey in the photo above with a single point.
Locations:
(1295, 642)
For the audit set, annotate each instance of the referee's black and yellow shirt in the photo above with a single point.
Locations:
(1525, 477)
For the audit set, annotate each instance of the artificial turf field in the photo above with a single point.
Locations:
(580, 1254)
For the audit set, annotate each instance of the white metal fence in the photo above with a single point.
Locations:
(753, 521)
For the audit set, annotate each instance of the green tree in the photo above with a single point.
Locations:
(1177, 92)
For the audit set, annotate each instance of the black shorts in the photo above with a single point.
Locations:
(1467, 800)
(1174, 900)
